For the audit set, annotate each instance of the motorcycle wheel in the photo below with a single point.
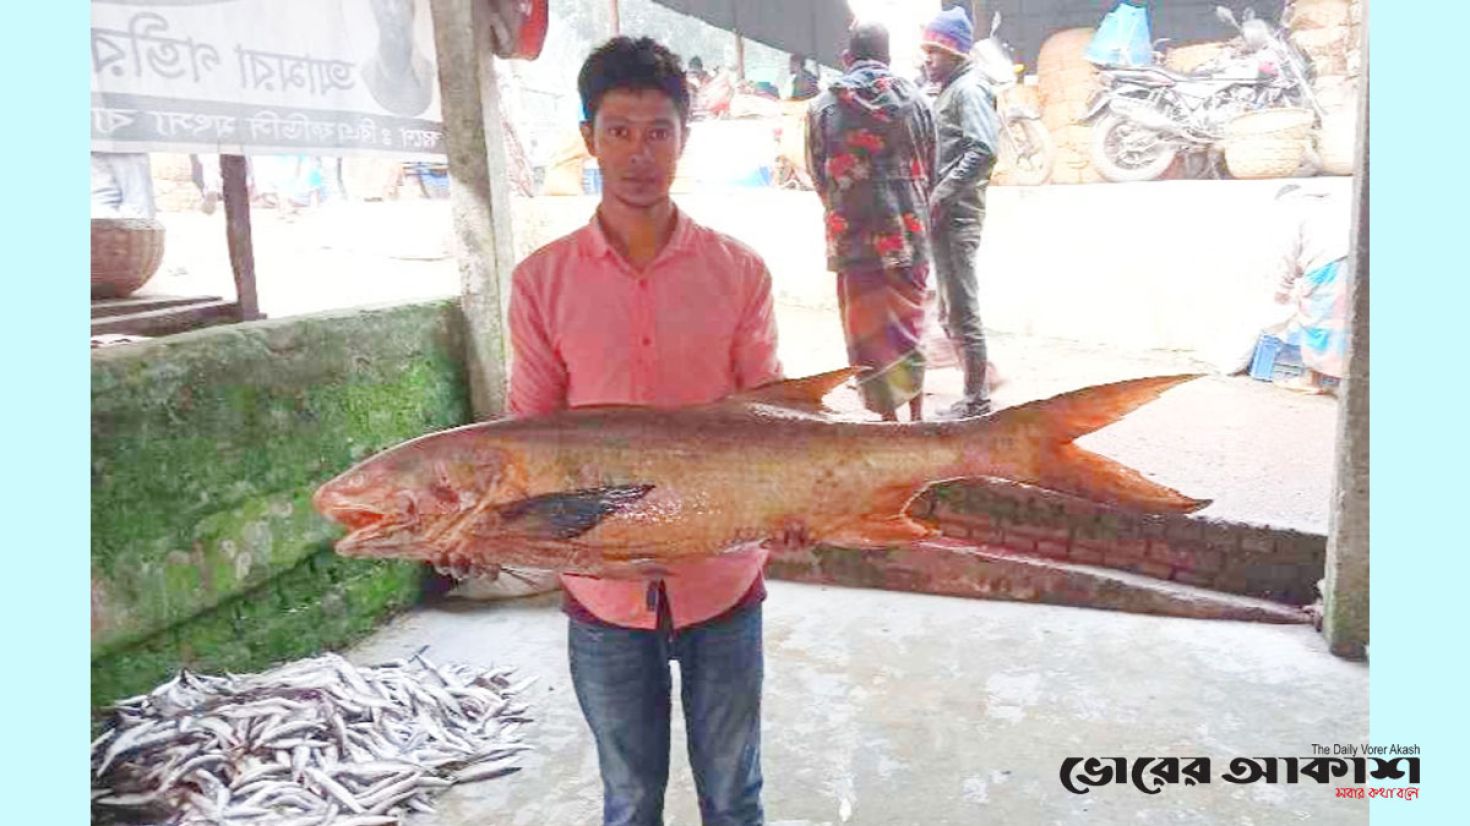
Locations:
(1031, 151)
(1123, 151)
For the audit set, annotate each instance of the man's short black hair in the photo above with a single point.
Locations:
(634, 65)
(868, 41)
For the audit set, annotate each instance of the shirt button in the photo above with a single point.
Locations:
(643, 283)
(647, 341)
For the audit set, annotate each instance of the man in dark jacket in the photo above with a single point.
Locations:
(871, 154)
(968, 131)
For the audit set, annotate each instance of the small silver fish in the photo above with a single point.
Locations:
(316, 741)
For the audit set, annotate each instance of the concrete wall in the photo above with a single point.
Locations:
(206, 448)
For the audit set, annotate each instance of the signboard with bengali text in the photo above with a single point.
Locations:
(326, 77)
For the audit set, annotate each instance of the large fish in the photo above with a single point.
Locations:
(621, 491)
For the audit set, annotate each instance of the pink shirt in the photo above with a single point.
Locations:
(696, 325)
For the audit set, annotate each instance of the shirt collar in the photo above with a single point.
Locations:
(596, 245)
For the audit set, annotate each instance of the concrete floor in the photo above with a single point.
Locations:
(894, 708)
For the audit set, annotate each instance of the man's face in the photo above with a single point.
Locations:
(940, 64)
(637, 138)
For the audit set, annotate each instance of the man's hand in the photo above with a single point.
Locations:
(1282, 296)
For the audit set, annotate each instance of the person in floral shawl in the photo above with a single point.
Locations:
(871, 151)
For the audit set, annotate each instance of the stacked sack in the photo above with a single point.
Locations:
(174, 189)
(1268, 143)
(1065, 82)
(1329, 33)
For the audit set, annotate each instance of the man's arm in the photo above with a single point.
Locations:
(979, 129)
(928, 144)
(754, 356)
(538, 377)
(1287, 264)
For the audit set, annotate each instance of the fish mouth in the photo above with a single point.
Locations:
(355, 519)
(374, 539)
(366, 528)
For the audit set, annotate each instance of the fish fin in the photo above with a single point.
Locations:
(568, 514)
(1057, 464)
(1075, 414)
(886, 523)
(1077, 472)
(803, 393)
(879, 532)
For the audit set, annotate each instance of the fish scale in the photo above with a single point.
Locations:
(318, 740)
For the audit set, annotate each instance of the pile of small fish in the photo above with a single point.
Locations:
(317, 741)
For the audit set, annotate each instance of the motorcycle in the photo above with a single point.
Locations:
(1026, 145)
(1145, 116)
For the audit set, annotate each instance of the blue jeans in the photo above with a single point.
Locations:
(623, 684)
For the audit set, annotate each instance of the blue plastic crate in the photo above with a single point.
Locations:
(1276, 360)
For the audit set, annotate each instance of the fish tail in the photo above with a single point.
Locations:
(1032, 444)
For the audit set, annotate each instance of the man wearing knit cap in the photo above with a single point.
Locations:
(968, 129)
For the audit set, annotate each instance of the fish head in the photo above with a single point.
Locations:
(408, 501)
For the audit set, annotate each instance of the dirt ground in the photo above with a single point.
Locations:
(1263, 454)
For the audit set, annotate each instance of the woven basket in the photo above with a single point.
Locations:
(1265, 157)
(126, 253)
(1284, 124)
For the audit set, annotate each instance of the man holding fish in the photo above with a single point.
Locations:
(639, 463)
(643, 306)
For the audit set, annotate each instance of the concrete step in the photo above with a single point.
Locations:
(952, 568)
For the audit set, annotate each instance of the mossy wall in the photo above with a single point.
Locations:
(206, 448)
